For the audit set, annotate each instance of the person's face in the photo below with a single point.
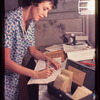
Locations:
(41, 10)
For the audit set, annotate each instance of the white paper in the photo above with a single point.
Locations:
(81, 92)
(68, 48)
(81, 54)
(40, 66)
(55, 47)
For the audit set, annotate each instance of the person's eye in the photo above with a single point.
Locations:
(44, 9)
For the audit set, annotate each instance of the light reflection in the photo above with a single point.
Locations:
(86, 7)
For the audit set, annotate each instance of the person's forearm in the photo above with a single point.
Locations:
(40, 56)
(42, 74)
(14, 67)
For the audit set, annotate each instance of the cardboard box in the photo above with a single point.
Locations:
(87, 81)
(55, 54)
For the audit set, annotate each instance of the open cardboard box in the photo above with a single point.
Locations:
(58, 53)
(89, 82)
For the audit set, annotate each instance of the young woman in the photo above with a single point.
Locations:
(19, 36)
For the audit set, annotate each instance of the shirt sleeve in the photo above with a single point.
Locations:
(8, 29)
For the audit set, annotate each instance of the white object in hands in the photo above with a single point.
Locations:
(40, 66)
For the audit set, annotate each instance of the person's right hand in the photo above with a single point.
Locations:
(42, 74)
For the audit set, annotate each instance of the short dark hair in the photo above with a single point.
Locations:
(25, 3)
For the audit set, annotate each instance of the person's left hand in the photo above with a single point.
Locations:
(56, 64)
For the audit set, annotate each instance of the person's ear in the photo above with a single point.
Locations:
(35, 4)
(31, 3)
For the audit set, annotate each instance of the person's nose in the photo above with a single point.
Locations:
(45, 14)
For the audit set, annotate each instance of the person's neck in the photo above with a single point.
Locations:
(26, 16)
(26, 13)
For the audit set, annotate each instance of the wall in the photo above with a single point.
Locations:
(10, 4)
(92, 29)
(50, 32)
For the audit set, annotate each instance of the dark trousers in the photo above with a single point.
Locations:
(34, 88)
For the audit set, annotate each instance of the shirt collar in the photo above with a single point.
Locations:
(19, 17)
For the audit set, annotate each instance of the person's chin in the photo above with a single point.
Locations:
(36, 19)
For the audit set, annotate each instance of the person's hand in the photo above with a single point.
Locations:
(55, 64)
(42, 74)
